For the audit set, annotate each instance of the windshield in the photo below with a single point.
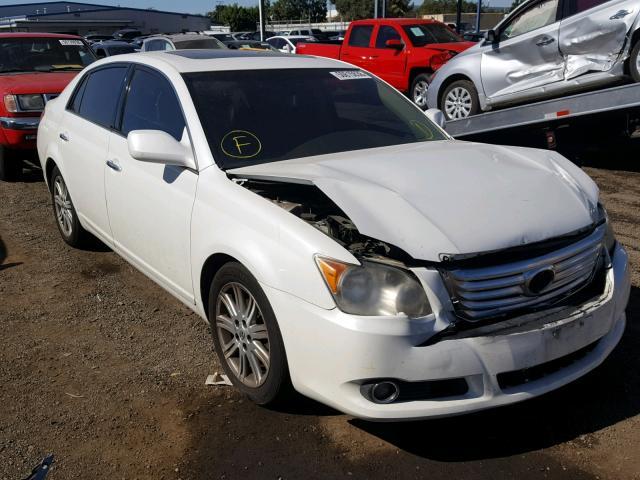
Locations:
(120, 49)
(318, 111)
(43, 54)
(426, 33)
(198, 43)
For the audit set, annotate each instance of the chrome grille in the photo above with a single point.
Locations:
(480, 293)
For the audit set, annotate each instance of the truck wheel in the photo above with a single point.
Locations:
(10, 165)
(634, 62)
(460, 100)
(246, 336)
(419, 89)
(65, 213)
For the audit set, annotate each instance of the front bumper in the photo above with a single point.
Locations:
(19, 132)
(331, 354)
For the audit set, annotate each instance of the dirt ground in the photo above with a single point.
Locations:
(106, 371)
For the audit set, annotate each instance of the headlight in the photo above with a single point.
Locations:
(374, 289)
(31, 102)
(609, 236)
(10, 103)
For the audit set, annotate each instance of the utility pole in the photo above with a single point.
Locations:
(384, 8)
(375, 9)
(261, 18)
(459, 16)
(478, 16)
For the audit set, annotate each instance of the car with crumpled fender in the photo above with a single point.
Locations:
(364, 258)
(543, 49)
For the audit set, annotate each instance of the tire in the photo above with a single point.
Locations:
(634, 62)
(272, 385)
(65, 213)
(10, 165)
(463, 98)
(419, 88)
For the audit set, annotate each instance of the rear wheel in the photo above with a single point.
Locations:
(460, 100)
(634, 62)
(65, 213)
(10, 165)
(419, 89)
(246, 336)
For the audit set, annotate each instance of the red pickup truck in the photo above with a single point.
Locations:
(34, 68)
(403, 51)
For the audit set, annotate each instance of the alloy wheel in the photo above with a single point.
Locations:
(242, 334)
(458, 103)
(420, 93)
(62, 205)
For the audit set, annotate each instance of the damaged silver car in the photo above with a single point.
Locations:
(544, 48)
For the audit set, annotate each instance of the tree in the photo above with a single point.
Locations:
(354, 9)
(236, 17)
(432, 7)
(310, 10)
(516, 3)
(398, 8)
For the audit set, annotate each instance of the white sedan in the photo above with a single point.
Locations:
(288, 43)
(361, 255)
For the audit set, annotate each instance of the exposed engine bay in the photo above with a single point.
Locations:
(310, 204)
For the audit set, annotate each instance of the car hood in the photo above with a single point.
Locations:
(450, 47)
(449, 197)
(45, 82)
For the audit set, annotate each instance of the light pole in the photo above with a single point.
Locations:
(478, 16)
(261, 18)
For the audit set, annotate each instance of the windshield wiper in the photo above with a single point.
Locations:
(59, 68)
(13, 70)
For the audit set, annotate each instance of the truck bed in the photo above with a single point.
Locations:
(328, 50)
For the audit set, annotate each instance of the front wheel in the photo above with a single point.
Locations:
(419, 90)
(10, 165)
(460, 100)
(246, 336)
(634, 62)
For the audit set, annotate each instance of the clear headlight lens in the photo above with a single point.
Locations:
(31, 102)
(374, 289)
(10, 103)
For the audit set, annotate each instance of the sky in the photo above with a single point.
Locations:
(192, 6)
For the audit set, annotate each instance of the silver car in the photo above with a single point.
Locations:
(543, 48)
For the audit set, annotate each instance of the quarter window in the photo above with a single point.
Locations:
(152, 105)
(538, 16)
(101, 94)
(74, 104)
(360, 36)
(386, 33)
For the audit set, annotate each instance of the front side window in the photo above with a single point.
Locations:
(360, 35)
(538, 16)
(386, 33)
(327, 111)
(43, 54)
(101, 94)
(426, 33)
(152, 105)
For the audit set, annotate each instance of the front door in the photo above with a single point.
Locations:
(150, 204)
(527, 54)
(593, 33)
(389, 63)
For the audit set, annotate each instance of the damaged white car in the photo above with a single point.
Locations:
(357, 253)
(544, 48)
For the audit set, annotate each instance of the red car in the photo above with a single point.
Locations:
(34, 68)
(403, 51)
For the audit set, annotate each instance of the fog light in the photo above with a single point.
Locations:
(384, 392)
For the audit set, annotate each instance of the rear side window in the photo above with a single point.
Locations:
(101, 94)
(360, 36)
(152, 105)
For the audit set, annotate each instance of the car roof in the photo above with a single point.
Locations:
(38, 35)
(399, 21)
(203, 60)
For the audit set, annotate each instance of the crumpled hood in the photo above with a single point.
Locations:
(450, 47)
(44, 82)
(449, 197)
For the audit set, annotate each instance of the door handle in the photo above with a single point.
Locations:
(114, 165)
(545, 41)
(64, 136)
(619, 14)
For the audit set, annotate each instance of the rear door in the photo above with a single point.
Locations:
(357, 48)
(527, 54)
(150, 204)
(84, 143)
(389, 63)
(593, 33)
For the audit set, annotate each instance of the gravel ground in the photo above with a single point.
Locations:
(106, 371)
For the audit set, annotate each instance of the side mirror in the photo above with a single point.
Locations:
(394, 43)
(155, 146)
(491, 36)
(437, 117)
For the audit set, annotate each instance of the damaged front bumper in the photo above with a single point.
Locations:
(333, 356)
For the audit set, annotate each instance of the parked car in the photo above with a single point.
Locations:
(473, 36)
(181, 41)
(112, 47)
(363, 256)
(288, 44)
(137, 42)
(542, 50)
(256, 35)
(309, 32)
(337, 36)
(249, 45)
(34, 68)
(404, 52)
(127, 34)
(223, 37)
(94, 38)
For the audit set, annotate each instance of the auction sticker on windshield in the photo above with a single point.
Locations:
(71, 42)
(349, 75)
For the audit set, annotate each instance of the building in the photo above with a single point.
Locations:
(87, 18)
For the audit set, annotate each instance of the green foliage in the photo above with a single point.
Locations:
(310, 10)
(398, 8)
(431, 7)
(236, 17)
(516, 3)
(358, 9)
